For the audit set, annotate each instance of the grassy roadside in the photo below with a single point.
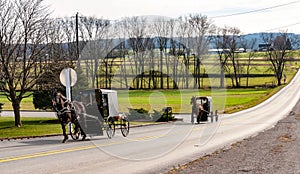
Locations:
(31, 127)
(254, 100)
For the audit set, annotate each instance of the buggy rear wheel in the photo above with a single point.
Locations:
(110, 129)
(74, 131)
(125, 127)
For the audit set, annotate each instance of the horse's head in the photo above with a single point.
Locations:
(59, 100)
(193, 100)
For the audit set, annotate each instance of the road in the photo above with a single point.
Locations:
(30, 114)
(149, 149)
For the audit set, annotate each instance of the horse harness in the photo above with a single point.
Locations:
(63, 107)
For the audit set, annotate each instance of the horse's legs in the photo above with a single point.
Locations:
(77, 125)
(199, 115)
(194, 112)
(63, 122)
(63, 126)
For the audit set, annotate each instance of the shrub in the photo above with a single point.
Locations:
(42, 99)
(1, 104)
(163, 116)
(138, 114)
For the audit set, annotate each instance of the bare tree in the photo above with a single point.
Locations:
(95, 30)
(122, 34)
(66, 36)
(162, 30)
(230, 45)
(184, 33)
(202, 27)
(251, 55)
(278, 52)
(138, 41)
(218, 41)
(53, 52)
(22, 38)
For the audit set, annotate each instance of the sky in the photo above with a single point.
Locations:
(250, 16)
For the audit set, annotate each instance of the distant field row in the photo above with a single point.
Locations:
(130, 70)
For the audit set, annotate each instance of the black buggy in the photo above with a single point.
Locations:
(100, 113)
(202, 109)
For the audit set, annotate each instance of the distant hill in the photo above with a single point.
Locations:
(295, 38)
(129, 43)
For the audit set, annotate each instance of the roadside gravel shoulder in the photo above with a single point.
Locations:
(276, 150)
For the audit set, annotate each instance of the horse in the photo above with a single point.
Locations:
(197, 108)
(66, 113)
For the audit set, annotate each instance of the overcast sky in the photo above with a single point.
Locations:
(250, 16)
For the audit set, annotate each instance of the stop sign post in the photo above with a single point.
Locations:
(68, 78)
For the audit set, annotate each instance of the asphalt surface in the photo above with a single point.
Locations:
(30, 114)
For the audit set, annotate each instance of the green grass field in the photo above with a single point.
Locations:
(227, 100)
(26, 103)
(31, 127)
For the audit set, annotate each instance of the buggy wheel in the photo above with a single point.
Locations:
(125, 127)
(110, 129)
(198, 119)
(74, 131)
(216, 115)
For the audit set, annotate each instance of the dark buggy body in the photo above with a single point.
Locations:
(101, 113)
(202, 110)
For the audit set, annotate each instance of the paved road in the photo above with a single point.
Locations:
(149, 149)
(30, 114)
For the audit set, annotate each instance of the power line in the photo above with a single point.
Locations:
(254, 11)
(283, 26)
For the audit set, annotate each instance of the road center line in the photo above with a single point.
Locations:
(86, 147)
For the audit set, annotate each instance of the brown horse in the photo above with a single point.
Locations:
(66, 114)
(197, 108)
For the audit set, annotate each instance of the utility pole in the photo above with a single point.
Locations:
(77, 39)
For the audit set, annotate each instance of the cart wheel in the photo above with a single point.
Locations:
(75, 134)
(110, 129)
(125, 127)
(216, 115)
